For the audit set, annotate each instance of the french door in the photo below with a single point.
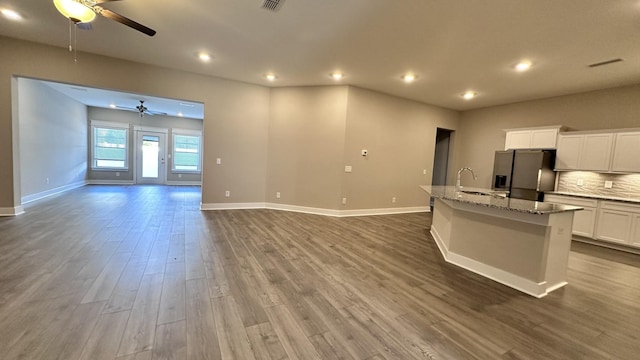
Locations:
(150, 157)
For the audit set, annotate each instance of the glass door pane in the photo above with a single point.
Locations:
(150, 157)
(150, 150)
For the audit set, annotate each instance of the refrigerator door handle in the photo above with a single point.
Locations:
(539, 180)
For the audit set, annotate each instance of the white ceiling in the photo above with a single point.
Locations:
(452, 45)
(105, 98)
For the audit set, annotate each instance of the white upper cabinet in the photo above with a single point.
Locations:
(590, 152)
(532, 138)
(568, 153)
(626, 153)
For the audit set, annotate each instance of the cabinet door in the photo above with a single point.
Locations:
(568, 154)
(544, 139)
(635, 230)
(583, 222)
(596, 152)
(518, 140)
(614, 226)
(626, 155)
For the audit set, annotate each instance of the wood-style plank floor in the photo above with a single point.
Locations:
(106, 272)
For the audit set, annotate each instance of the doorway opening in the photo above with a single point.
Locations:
(441, 158)
(150, 157)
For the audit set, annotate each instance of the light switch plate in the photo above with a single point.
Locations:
(580, 182)
(608, 184)
(347, 168)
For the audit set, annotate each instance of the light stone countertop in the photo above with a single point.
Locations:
(592, 196)
(495, 201)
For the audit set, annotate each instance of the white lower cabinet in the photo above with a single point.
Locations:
(635, 230)
(618, 222)
(584, 220)
(614, 226)
(610, 221)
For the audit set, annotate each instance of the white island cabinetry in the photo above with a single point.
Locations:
(519, 243)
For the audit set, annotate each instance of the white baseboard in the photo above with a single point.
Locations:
(110, 182)
(517, 282)
(184, 183)
(11, 211)
(387, 211)
(43, 194)
(312, 210)
(303, 209)
(231, 206)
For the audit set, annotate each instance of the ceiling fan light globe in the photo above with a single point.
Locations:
(75, 10)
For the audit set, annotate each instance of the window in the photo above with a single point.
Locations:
(186, 151)
(109, 146)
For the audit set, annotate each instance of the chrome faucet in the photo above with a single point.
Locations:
(458, 187)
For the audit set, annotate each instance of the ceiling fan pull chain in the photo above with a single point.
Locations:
(70, 47)
(75, 43)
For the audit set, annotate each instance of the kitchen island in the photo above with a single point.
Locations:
(519, 243)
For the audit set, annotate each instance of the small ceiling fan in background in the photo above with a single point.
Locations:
(142, 110)
(83, 12)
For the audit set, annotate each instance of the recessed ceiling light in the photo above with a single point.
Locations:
(408, 78)
(270, 77)
(523, 65)
(11, 15)
(204, 57)
(337, 76)
(469, 95)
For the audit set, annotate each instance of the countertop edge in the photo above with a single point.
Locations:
(594, 196)
(513, 205)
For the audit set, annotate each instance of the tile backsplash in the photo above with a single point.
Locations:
(626, 186)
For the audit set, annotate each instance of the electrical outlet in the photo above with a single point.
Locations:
(393, 199)
(344, 201)
(218, 161)
(179, 176)
(277, 194)
(227, 193)
(46, 181)
(117, 173)
(348, 168)
(424, 171)
(608, 184)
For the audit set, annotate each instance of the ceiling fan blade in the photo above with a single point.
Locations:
(124, 20)
(151, 112)
(126, 108)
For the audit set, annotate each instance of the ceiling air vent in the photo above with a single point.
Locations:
(602, 63)
(272, 5)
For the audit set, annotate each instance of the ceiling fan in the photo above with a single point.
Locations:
(142, 110)
(84, 11)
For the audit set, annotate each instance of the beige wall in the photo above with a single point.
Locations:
(315, 131)
(400, 136)
(481, 130)
(262, 135)
(306, 141)
(53, 139)
(235, 124)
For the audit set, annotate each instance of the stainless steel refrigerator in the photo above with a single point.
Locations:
(526, 174)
